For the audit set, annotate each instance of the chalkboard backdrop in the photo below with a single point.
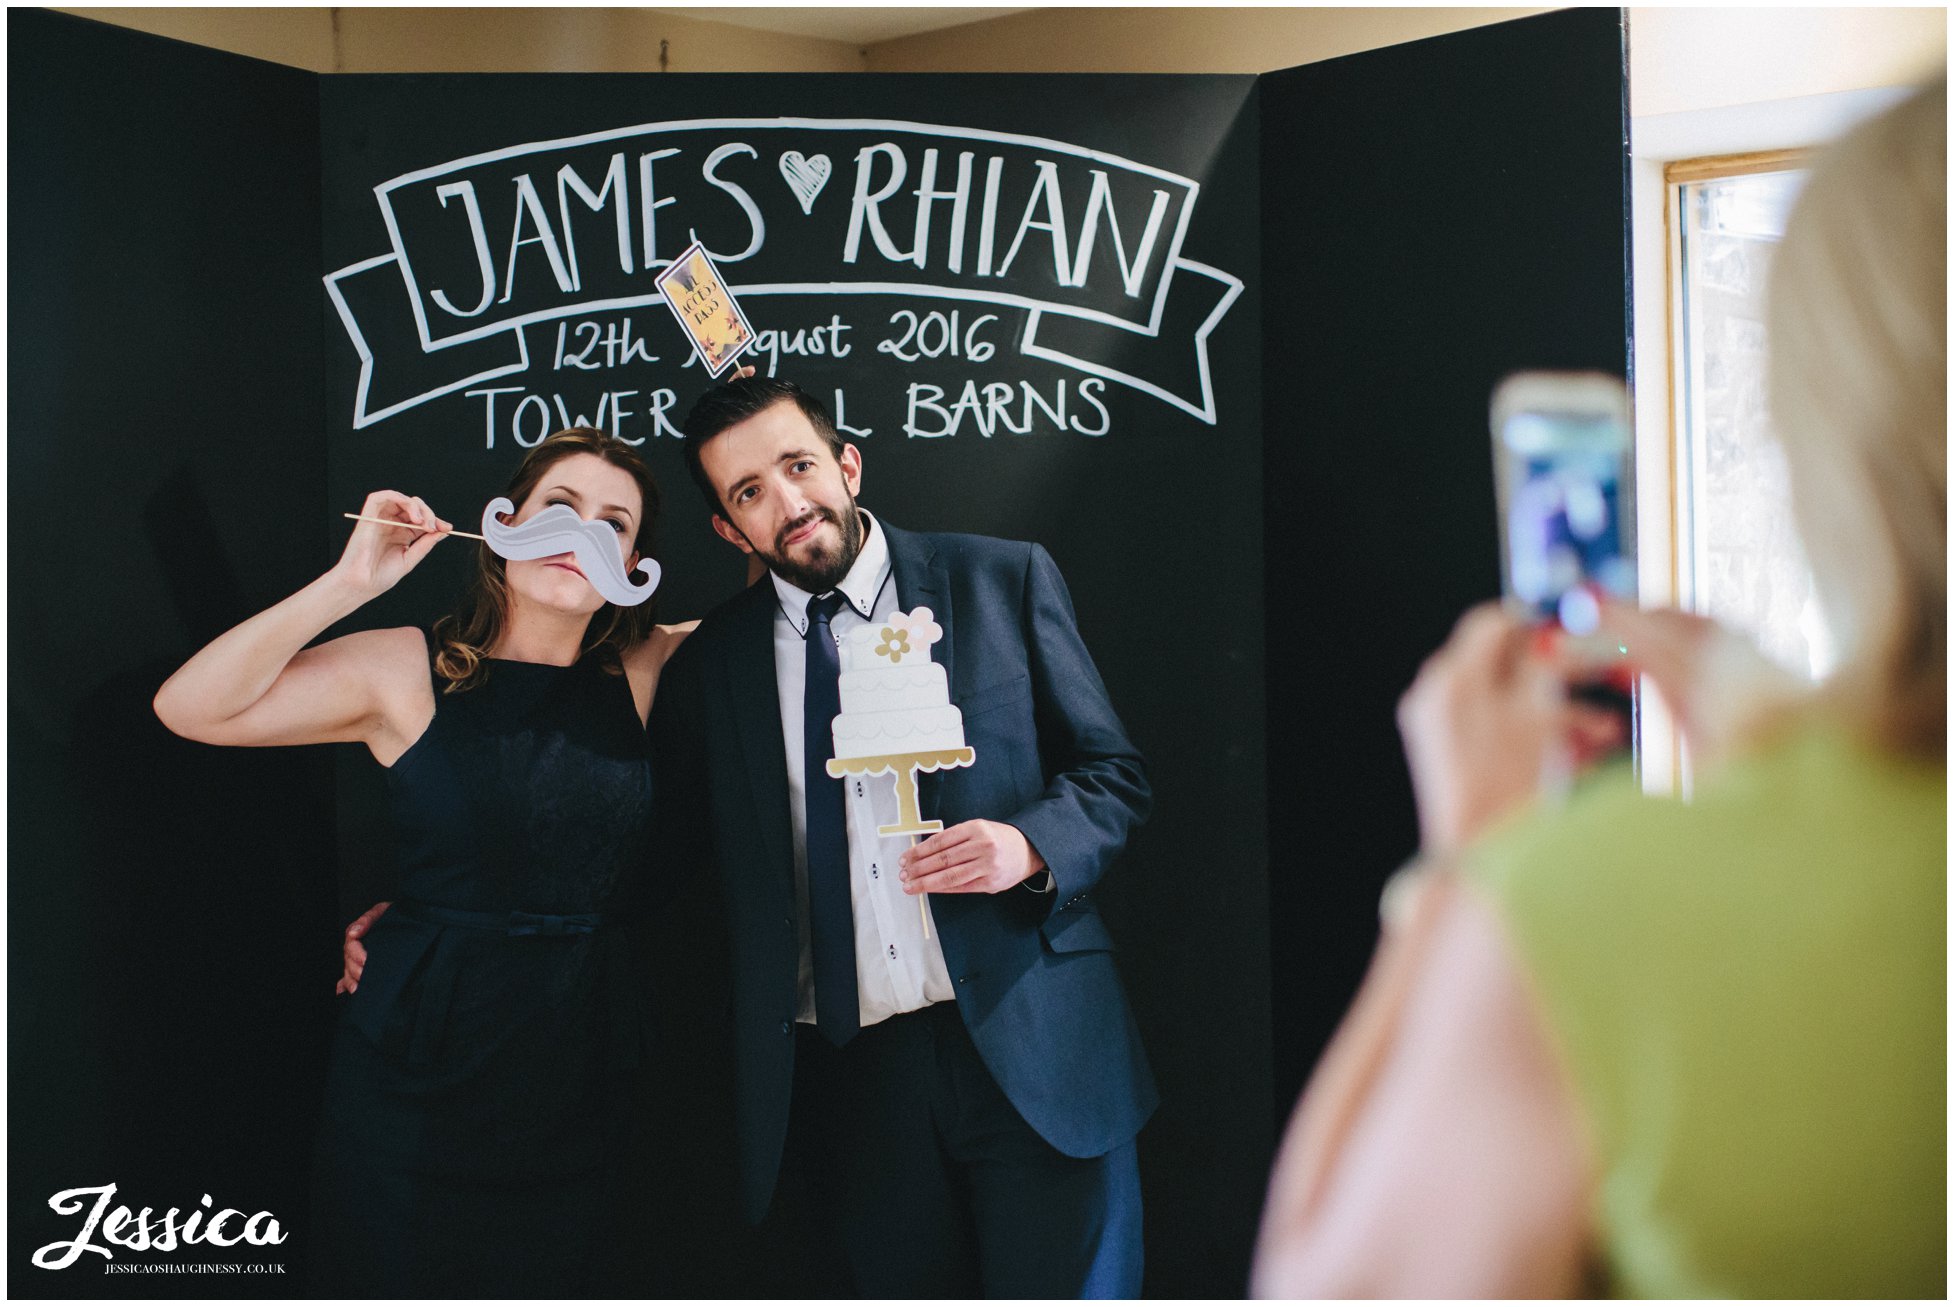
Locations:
(1158, 324)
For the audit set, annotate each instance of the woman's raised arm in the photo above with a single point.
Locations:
(257, 684)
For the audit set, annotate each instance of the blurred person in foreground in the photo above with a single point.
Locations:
(1650, 1048)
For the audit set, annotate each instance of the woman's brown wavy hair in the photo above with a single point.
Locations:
(462, 639)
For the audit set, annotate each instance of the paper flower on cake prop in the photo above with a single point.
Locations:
(896, 715)
(559, 529)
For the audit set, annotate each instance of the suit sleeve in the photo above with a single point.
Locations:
(1098, 790)
(677, 744)
(688, 930)
(692, 1001)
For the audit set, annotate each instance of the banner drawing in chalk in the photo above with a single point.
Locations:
(1088, 244)
(559, 529)
(711, 318)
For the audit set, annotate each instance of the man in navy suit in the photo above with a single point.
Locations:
(964, 1098)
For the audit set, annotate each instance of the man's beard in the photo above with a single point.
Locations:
(823, 571)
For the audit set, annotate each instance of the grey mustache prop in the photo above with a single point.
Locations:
(559, 530)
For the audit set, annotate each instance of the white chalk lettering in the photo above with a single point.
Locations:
(841, 417)
(926, 198)
(618, 414)
(987, 226)
(579, 420)
(865, 207)
(473, 211)
(949, 337)
(740, 196)
(663, 401)
(925, 396)
(989, 409)
(806, 342)
(1132, 275)
(619, 343)
(1045, 192)
(542, 429)
(612, 193)
(488, 395)
(648, 207)
(1090, 390)
(529, 204)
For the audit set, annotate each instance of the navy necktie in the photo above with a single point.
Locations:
(831, 919)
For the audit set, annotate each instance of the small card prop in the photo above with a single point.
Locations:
(559, 529)
(705, 308)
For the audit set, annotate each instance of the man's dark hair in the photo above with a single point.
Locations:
(734, 402)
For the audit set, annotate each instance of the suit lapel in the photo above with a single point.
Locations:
(750, 684)
(923, 581)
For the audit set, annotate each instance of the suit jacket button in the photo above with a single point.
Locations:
(786, 1027)
(963, 980)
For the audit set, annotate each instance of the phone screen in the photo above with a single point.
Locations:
(1562, 444)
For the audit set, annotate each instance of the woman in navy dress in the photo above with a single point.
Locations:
(481, 1078)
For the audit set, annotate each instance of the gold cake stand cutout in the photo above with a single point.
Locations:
(904, 766)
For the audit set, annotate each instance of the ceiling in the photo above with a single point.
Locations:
(862, 26)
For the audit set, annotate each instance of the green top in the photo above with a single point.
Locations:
(1749, 992)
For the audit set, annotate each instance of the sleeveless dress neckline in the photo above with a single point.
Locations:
(554, 667)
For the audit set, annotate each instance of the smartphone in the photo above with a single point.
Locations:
(1561, 449)
(1560, 459)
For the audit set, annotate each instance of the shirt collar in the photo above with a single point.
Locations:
(860, 587)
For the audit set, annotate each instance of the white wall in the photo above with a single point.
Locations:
(1687, 59)
(1731, 81)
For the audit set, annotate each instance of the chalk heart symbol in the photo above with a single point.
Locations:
(804, 176)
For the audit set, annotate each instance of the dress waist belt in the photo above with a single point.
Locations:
(508, 923)
(408, 987)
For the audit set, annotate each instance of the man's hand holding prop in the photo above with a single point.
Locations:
(971, 857)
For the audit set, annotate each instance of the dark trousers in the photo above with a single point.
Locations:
(933, 1185)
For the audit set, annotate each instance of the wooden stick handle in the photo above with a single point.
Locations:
(922, 900)
(387, 521)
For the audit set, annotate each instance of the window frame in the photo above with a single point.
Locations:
(1665, 755)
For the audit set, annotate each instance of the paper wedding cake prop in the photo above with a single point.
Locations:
(896, 715)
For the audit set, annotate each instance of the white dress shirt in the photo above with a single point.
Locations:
(896, 968)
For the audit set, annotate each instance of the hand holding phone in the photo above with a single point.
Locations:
(1560, 453)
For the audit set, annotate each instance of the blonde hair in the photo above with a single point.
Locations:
(462, 639)
(1857, 325)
